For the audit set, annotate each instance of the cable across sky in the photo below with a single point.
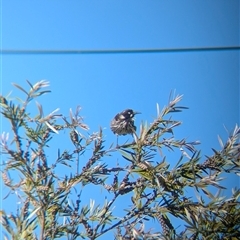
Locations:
(118, 51)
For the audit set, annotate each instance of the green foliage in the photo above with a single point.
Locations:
(155, 189)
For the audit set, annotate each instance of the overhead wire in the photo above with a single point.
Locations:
(117, 51)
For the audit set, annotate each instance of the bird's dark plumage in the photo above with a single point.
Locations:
(123, 122)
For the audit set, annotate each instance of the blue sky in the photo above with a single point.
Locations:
(106, 84)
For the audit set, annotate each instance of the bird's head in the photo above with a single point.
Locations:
(128, 113)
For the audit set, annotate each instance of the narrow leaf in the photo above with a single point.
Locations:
(51, 127)
(33, 212)
(17, 86)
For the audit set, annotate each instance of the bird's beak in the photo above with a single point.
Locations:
(136, 113)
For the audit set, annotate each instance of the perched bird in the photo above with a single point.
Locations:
(123, 122)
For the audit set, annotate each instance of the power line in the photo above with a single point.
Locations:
(118, 51)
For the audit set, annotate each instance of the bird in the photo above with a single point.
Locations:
(123, 122)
